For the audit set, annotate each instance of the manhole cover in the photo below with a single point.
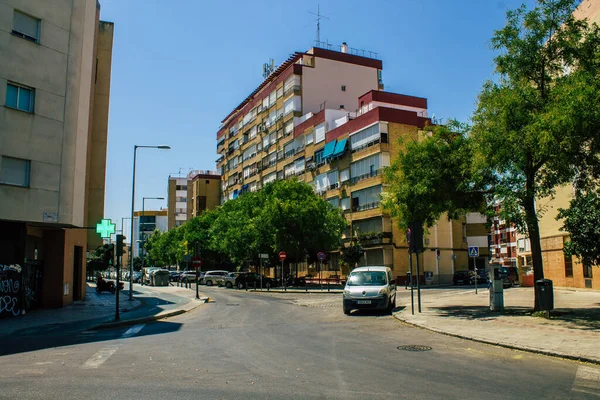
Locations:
(414, 347)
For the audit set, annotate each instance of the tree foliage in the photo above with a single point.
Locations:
(284, 216)
(582, 221)
(432, 175)
(537, 124)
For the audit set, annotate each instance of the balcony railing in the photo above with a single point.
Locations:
(366, 206)
(367, 145)
(368, 175)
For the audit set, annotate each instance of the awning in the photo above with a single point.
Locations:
(329, 148)
(340, 148)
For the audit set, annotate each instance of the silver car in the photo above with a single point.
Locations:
(212, 277)
(370, 288)
(228, 280)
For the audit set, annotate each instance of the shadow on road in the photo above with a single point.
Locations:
(23, 344)
(573, 318)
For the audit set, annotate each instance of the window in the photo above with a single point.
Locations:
(19, 97)
(14, 171)
(309, 138)
(26, 27)
(345, 203)
(181, 199)
(319, 133)
(343, 88)
(279, 92)
(568, 267)
(181, 187)
(365, 137)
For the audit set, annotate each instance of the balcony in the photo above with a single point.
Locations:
(369, 144)
(295, 88)
(368, 175)
(366, 206)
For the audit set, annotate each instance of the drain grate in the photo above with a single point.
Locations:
(414, 347)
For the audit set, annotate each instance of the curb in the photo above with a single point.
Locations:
(500, 344)
(151, 318)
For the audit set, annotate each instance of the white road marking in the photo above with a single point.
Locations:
(133, 330)
(587, 380)
(99, 357)
(44, 363)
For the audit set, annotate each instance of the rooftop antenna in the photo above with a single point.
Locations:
(268, 68)
(319, 16)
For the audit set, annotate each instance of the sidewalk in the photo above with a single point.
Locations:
(573, 331)
(98, 311)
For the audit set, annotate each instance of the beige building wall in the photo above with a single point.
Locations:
(98, 143)
(63, 138)
(54, 137)
(324, 82)
(589, 9)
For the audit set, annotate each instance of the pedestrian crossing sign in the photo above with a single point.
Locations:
(473, 251)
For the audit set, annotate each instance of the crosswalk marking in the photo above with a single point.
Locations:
(99, 357)
(587, 379)
(133, 330)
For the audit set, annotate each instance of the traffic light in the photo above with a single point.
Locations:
(121, 245)
(109, 254)
(415, 237)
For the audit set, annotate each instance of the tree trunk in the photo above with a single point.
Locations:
(533, 230)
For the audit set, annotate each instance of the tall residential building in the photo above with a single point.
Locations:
(144, 224)
(189, 195)
(55, 70)
(323, 118)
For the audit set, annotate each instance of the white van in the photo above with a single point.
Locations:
(370, 288)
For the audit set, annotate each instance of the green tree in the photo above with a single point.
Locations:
(432, 175)
(536, 125)
(582, 221)
(351, 255)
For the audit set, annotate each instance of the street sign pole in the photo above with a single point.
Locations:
(117, 312)
(474, 253)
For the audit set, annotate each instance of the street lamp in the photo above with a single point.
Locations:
(135, 147)
(143, 234)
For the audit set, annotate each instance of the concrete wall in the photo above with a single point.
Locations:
(324, 81)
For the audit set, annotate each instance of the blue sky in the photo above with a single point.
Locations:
(180, 66)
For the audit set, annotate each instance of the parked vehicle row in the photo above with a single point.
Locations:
(509, 277)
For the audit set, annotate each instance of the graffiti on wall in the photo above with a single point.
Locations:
(10, 290)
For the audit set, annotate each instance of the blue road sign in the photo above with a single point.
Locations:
(473, 251)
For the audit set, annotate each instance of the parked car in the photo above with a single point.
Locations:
(228, 280)
(248, 279)
(371, 287)
(174, 276)
(482, 276)
(137, 276)
(211, 277)
(189, 276)
(463, 278)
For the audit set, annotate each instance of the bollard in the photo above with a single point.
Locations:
(305, 285)
(255, 286)
(246, 285)
(328, 284)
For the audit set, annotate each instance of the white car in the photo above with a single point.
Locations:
(212, 277)
(370, 288)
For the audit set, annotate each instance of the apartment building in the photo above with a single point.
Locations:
(144, 224)
(55, 71)
(178, 199)
(323, 118)
(205, 192)
(189, 195)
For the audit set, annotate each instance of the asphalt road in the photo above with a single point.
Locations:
(295, 346)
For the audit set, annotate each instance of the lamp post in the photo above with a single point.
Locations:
(135, 147)
(142, 231)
